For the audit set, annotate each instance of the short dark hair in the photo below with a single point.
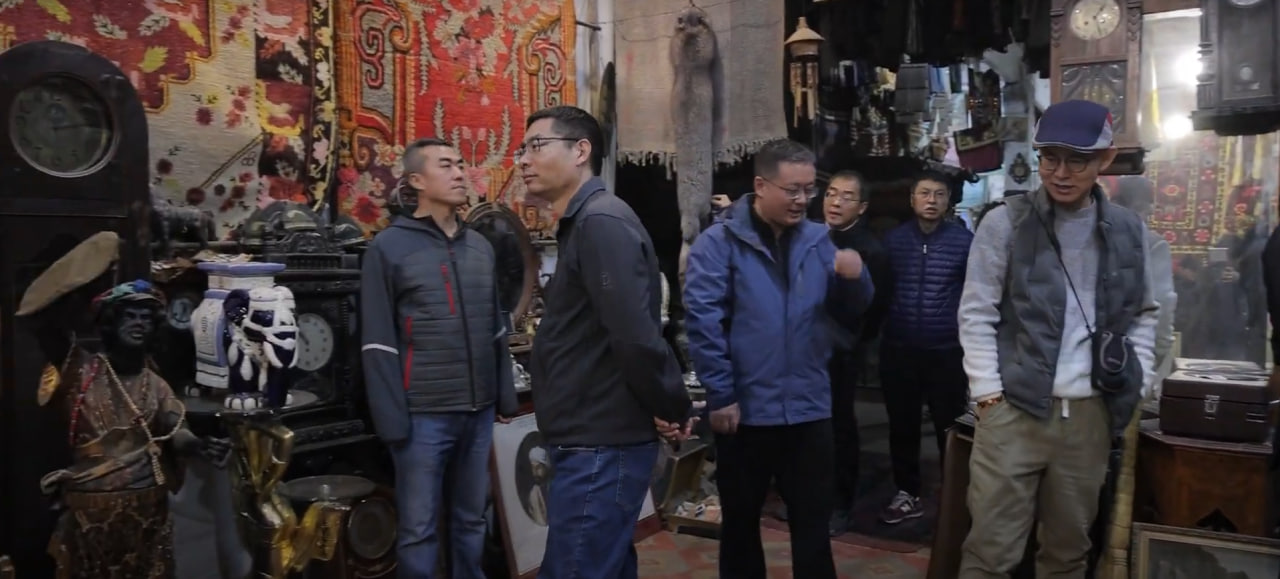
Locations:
(931, 175)
(575, 123)
(779, 151)
(1134, 192)
(414, 154)
(849, 175)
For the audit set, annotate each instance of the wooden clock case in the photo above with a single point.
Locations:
(1238, 89)
(42, 216)
(1106, 70)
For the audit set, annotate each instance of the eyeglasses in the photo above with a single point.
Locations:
(537, 143)
(796, 193)
(1075, 163)
(843, 198)
(924, 194)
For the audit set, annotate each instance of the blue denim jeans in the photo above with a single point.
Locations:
(592, 508)
(458, 443)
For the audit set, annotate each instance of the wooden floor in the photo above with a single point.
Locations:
(688, 557)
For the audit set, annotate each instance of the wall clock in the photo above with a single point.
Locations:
(1237, 93)
(315, 342)
(1095, 19)
(1096, 58)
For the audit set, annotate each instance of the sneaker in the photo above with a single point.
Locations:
(902, 507)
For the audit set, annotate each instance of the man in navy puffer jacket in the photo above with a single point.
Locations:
(920, 356)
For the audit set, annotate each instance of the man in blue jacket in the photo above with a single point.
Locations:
(762, 289)
(920, 356)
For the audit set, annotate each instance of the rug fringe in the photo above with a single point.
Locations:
(725, 156)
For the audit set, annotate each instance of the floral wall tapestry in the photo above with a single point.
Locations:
(239, 93)
(468, 71)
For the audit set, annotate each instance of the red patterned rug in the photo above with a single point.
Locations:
(468, 71)
(239, 93)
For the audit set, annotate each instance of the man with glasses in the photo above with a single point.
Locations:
(920, 357)
(760, 288)
(605, 383)
(843, 207)
(1058, 326)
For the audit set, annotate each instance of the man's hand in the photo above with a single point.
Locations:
(720, 201)
(503, 419)
(725, 420)
(673, 431)
(848, 264)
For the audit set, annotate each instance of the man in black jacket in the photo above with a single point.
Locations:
(843, 207)
(603, 377)
(435, 360)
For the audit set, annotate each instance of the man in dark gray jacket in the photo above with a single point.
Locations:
(604, 380)
(435, 360)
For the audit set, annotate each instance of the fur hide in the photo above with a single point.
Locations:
(693, 56)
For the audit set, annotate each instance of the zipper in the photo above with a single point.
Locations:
(466, 329)
(924, 266)
(448, 287)
(408, 352)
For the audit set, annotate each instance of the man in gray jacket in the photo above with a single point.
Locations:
(435, 361)
(1057, 322)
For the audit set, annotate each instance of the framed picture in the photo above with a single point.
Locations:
(521, 473)
(1161, 552)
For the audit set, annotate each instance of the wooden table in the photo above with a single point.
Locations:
(1202, 484)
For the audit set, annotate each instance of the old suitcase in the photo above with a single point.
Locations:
(1213, 400)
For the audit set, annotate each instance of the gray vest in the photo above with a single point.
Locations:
(1036, 297)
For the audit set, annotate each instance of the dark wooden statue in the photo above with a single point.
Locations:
(123, 421)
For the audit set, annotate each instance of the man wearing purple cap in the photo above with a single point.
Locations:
(1058, 324)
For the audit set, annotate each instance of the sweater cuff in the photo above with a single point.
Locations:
(980, 390)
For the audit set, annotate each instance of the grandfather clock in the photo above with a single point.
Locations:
(73, 162)
(1095, 56)
(1237, 92)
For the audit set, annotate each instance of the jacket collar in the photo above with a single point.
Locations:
(594, 186)
(1043, 205)
(428, 225)
(738, 222)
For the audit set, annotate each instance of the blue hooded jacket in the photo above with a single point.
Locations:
(757, 340)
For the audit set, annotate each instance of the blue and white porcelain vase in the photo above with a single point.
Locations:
(208, 323)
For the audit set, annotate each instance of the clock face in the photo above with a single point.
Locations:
(1245, 3)
(180, 310)
(315, 342)
(61, 126)
(1095, 19)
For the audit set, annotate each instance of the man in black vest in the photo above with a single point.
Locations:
(1057, 322)
(435, 361)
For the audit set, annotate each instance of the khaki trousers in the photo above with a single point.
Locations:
(1025, 469)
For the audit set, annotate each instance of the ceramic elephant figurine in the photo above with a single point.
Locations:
(261, 342)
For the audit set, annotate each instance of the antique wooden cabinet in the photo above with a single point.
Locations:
(1095, 56)
(1237, 93)
(73, 162)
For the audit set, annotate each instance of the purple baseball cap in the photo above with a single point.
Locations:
(1079, 125)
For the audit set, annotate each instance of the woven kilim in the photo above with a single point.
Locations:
(239, 93)
(1210, 190)
(468, 71)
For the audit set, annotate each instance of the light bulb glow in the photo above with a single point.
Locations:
(1189, 67)
(1177, 127)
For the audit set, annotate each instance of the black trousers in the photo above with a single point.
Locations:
(798, 457)
(844, 368)
(910, 378)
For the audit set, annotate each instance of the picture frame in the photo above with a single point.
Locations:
(1162, 552)
(520, 473)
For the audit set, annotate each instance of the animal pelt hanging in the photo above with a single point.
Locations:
(693, 57)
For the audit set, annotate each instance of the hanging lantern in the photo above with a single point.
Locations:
(803, 46)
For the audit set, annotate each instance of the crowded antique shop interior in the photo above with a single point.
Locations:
(225, 166)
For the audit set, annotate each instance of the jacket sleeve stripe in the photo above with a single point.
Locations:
(381, 347)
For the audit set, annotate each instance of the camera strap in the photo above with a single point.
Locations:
(1057, 251)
